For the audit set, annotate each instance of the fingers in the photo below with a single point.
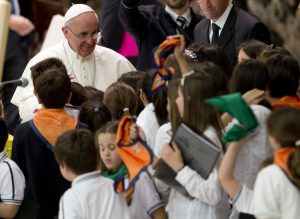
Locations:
(254, 96)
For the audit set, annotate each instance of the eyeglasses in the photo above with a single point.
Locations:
(85, 36)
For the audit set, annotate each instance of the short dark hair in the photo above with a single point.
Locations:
(46, 64)
(3, 134)
(78, 94)
(95, 114)
(284, 75)
(76, 150)
(53, 88)
(248, 75)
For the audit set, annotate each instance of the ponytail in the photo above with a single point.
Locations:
(293, 165)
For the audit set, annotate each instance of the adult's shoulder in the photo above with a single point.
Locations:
(151, 10)
(56, 51)
(244, 17)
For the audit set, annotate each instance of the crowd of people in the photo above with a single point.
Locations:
(65, 161)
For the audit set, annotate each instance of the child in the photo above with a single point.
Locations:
(277, 187)
(145, 202)
(209, 199)
(12, 182)
(34, 141)
(91, 195)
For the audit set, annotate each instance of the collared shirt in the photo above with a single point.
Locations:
(221, 21)
(83, 69)
(92, 196)
(148, 122)
(187, 15)
(11, 186)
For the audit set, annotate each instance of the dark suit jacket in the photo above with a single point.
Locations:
(150, 25)
(239, 26)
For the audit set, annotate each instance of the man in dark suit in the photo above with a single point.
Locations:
(228, 26)
(151, 24)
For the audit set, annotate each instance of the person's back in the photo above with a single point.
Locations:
(34, 141)
(277, 187)
(12, 182)
(91, 195)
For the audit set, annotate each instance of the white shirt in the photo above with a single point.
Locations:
(221, 21)
(148, 122)
(243, 200)
(92, 196)
(274, 195)
(209, 198)
(11, 188)
(163, 136)
(145, 199)
(255, 150)
(99, 70)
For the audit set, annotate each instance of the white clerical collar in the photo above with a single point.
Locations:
(221, 21)
(74, 55)
(187, 15)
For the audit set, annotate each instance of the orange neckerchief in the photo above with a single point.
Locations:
(136, 155)
(160, 55)
(293, 101)
(281, 158)
(51, 123)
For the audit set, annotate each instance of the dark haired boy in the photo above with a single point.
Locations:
(34, 142)
(91, 196)
(12, 182)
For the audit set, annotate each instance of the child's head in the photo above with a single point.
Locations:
(250, 49)
(284, 75)
(95, 114)
(248, 75)
(75, 152)
(192, 92)
(284, 131)
(173, 112)
(283, 126)
(53, 88)
(200, 52)
(93, 93)
(120, 99)
(46, 64)
(3, 134)
(105, 142)
(78, 94)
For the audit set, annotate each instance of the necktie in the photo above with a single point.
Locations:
(181, 21)
(215, 36)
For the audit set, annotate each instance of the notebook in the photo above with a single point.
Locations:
(198, 152)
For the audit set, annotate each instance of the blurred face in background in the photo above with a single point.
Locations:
(213, 9)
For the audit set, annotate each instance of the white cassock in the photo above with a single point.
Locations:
(100, 69)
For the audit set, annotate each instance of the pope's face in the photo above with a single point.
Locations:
(177, 4)
(213, 9)
(83, 24)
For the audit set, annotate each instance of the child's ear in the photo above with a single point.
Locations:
(37, 96)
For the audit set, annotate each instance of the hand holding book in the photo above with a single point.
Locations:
(171, 154)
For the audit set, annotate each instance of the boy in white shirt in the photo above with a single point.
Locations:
(12, 181)
(91, 195)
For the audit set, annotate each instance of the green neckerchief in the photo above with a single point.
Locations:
(114, 174)
(235, 105)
